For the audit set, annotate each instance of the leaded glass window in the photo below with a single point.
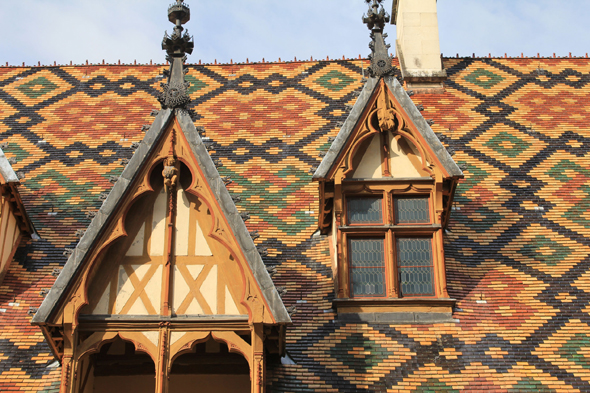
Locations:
(414, 262)
(365, 210)
(411, 210)
(367, 267)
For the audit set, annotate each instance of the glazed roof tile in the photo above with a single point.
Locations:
(517, 252)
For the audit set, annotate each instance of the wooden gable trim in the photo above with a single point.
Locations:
(414, 133)
(390, 115)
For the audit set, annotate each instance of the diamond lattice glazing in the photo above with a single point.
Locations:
(367, 267)
(414, 258)
(364, 210)
(411, 210)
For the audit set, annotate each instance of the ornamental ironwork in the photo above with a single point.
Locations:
(376, 18)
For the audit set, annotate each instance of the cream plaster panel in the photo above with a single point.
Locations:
(399, 163)
(136, 249)
(153, 288)
(138, 308)
(201, 245)
(158, 225)
(181, 288)
(140, 270)
(182, 223)
(370, 165)
(124, 290)
(209, 289)
(194, 308)
(102, 307)
(153, 336)
(195, 270)
(230, 304)
(175, 336)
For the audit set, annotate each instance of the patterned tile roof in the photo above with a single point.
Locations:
(517, 252)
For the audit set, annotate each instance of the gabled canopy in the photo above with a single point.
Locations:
(408, 110)
(123, 189)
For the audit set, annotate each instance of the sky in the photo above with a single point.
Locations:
(61, 31)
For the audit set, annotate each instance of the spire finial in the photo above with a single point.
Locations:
(175, 94)
(375, 20)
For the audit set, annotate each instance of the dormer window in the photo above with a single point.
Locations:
(386, 189)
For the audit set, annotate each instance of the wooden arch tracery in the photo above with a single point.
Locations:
(381, 117)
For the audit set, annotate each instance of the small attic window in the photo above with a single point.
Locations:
(367, 267)
(415, 267)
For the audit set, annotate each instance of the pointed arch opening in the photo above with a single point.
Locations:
(116, 367)
(212, 367)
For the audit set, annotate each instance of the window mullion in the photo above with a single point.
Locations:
(392, 266)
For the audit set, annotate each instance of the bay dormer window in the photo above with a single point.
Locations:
(386, 188)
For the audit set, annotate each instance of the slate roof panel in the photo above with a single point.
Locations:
(517, 250)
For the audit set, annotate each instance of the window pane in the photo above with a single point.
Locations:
(414, 262)
(364, 210)
(411, 210)
(367, 267)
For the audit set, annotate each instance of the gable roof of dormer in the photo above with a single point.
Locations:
(407, 107)
(392, 93)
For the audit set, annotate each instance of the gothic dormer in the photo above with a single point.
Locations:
(386, 189)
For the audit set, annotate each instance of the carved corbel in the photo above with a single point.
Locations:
(388, 118)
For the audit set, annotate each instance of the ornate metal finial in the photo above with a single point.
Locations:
(381, 62)
(175, 91)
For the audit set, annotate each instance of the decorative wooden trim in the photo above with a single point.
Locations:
(186, 344)
(93, 343)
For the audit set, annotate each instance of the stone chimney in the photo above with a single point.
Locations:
(417, 45)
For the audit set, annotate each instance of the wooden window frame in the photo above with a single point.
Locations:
(390, 232)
